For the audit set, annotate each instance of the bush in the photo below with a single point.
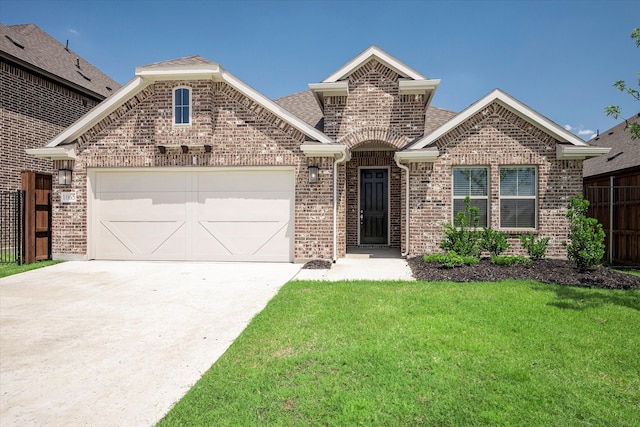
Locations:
(536, 248)
(462, 236)
(495, 242)
(510, 260)
(451, 259)
(586, 248)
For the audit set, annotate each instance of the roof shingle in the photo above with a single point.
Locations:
(27, 44)
(624, 154)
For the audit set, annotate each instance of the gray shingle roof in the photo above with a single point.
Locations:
(181, 62)
(624, 154)
(29, 46)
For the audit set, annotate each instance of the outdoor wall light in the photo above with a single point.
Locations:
(162, 149)
(185, 149)
(207, 148)
(64, 177)
(313, 174)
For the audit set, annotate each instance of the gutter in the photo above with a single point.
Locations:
(406, 209)
(344, 156)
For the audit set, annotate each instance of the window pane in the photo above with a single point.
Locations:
(458, 206)
(461, 182)
(178, 116)
(517, 181)
(469, 182)
(185, 114)
(516, 213)
(185, 96)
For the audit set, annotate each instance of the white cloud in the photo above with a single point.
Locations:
(586, 132)
(580, 130)
(568, 127)
(72, 31)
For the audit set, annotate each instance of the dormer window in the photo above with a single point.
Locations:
(182, 106)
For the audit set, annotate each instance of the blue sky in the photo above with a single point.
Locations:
(558, 57)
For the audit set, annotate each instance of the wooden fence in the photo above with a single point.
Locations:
(617, 208)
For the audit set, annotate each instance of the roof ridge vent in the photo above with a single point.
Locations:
(14, 42)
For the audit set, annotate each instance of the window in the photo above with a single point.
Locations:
(182, 106)
(472, 183)
(518, 197)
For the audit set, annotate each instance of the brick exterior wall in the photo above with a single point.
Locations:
(492, 138)
(374, 121)
(33, 110)
(241, 134)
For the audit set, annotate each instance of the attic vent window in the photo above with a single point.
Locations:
(182, 106)
(85, 77)
(14, 42)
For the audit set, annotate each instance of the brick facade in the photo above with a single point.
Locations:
(33, 110)
(492, 138)
(373, 121)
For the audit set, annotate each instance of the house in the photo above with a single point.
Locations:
(612, 186)
(44, 88)
(187, 162)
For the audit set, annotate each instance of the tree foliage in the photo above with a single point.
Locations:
(621, 85)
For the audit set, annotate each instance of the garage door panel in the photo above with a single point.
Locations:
(140, 240)
(208, 215)
(144, 182)
(244, 240)
(256, 181)
(250, 207)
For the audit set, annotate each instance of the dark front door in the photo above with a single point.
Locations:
(373, 206)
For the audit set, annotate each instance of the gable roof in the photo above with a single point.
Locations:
(382, 56)
(569, 145)
(303, 104)
(28, 46)
(188, 68)
(624, 154)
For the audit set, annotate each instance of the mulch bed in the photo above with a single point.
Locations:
(558, 271)
(317, 264)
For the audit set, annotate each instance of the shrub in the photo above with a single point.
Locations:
(495, 242)
(536, 248)
(462, 236)
(586, 248)
(510, 260)
(451, 259)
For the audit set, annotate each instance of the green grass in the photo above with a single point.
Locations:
(11, 269)
(632, 272)
(415, 353)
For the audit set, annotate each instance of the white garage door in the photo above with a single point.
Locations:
(220, 215)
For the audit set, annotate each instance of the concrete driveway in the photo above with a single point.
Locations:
(105, 343)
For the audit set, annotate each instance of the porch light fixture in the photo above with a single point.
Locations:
(313, 174)
(64, 177)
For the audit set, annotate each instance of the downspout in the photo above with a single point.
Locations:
(406, 210)
(335, 203)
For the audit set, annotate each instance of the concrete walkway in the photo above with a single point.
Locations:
(363, 264)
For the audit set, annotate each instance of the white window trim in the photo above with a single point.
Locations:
(173, 106)
(454, 197)
(534, 197)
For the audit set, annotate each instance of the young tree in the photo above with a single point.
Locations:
(586, 248)
(621, 85)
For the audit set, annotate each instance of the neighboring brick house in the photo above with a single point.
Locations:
(187, 162)
(44, 88)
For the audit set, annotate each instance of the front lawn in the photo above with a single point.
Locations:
(418, 353)
(11, 269)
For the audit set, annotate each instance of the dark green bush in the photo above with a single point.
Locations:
(451, 259)
(510, 260)
(586, 248)
(463, 236)
(495, 242)
(536, 248)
